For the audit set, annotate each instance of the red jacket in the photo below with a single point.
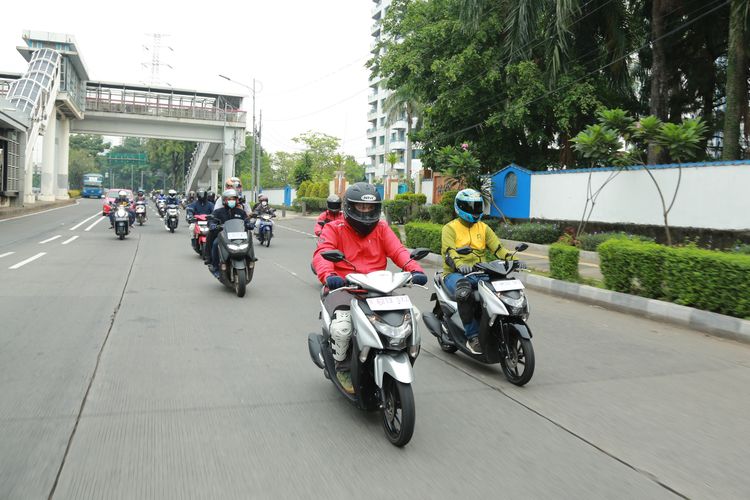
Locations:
(325, 218)
(367, 253)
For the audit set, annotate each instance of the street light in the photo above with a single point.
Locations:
(254, 165)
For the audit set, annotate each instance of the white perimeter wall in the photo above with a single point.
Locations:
(276, 196)
(716, 197)
(427, 190)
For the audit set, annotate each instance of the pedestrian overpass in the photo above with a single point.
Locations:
(56, 97)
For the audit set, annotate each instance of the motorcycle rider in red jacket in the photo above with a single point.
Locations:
(365, 241)
(332, 213)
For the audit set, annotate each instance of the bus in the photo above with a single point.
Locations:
(92, 186)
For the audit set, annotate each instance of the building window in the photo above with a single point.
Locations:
(381, 140)
(511, 185)
(381, 159)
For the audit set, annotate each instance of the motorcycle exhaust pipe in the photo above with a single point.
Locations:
(316, 350)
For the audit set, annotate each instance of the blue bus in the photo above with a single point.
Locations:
(92, 186)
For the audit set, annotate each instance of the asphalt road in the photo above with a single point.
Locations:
(127, 371)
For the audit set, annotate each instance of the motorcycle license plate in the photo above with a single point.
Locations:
(507, 285)
(392, 303)
(237, 236)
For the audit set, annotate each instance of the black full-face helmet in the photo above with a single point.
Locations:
(333, 203)
(362, 207)
(201, 194)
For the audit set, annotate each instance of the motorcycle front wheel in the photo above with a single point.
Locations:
(518, 360)
(122, 236)
(268, 240)
(240, 281)
(399, 411)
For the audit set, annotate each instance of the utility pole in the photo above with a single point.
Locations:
(255, 138)
(259, 151)
(141, 178)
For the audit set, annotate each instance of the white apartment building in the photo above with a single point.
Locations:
(384, 137)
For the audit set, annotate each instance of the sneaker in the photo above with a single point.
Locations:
(345, 379)
(474, 346)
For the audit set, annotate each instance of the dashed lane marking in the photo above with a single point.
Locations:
(95, 223)
(84, 221)
(295, 230)
(50, 239)
(6, 254)
(30, 259)
(69, 240)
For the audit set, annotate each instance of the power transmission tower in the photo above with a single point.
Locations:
(155, 51)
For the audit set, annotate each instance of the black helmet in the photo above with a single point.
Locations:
(211, 196)
(140, 192)
(362, 207)
(334, 203)
(201, 194)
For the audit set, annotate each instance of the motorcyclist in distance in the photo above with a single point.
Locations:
(172, 198)
(332, 213)
(366, 242)
(121, 200)
(467, 230)
(228, 210)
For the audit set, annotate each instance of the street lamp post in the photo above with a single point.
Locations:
(254, 165)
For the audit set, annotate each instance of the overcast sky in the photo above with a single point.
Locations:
(307, 56)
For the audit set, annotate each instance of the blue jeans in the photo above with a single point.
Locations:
(471, 330)
(215, 254)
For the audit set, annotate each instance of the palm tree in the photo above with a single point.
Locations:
(402, 102)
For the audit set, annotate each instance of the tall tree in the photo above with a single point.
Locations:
(403, 104)
(737, 76)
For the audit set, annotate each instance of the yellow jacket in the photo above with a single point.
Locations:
(479, 236)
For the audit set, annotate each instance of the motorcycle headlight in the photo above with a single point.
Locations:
(515, 301)
(395, 337)
(236, 247)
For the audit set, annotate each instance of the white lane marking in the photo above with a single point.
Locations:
(6, 254)
(295, 230)
(24, 262)
(84, 221)
(95, 223)
(40, 212)
(50, 239)
(69, 240)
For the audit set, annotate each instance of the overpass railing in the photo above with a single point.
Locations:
(167, 105)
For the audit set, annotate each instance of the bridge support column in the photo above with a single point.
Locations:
(228, 165)
(49, 173)
(29, 197)
(214, 165)
(63, 152)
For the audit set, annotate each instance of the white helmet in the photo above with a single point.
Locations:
(172, 192)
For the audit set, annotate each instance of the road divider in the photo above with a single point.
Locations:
(6, 254)
(84, 221)
(95, 223)
(50, 239)
(30, 259)
(69, 240)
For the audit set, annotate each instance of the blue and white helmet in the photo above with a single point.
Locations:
(469, 205)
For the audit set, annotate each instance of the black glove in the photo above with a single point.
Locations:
(464, 269)
(418, 278)
(333, 282)
(249, 224)
(520, 265)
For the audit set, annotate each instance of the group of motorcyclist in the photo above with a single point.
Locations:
(358, 232)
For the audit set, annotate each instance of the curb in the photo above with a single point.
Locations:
(6, 213)
(715, 324)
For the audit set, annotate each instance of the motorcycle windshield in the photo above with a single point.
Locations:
(234, 229)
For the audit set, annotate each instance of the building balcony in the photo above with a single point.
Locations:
(372, 132)
(398, 145)
(399, 124)
(375, 29)
(372, 98)
(371, 151)
(372, 114)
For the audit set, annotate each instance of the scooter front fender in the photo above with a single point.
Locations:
(396, 365)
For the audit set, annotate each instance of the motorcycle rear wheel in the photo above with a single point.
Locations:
(399, 412)
(171, 230)
(240, 282)
(122, 236)
(519, 353)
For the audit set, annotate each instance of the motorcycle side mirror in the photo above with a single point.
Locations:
(333, 255)
(463, 250)
(521, 247)
(419, 253)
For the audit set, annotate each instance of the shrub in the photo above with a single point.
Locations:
(395, 230)
(303, 189)
(447, 200)
(413, 198)
(438, 214)
(590, 242)
(424, 234)
(321, 190)
(74, 193)
(741, 248)
(705, 279)
(529, 232)
(397, 211)
(311, 203)
(563, 262)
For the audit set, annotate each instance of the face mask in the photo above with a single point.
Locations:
(264, 203)
(231, 203)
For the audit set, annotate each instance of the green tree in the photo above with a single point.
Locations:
(402, 104)
(80, 162)
(171, 157)
(737, 77)
(303, 169)
(320, 151)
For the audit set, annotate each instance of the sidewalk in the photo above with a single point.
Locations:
(39, 206)
(537, 258)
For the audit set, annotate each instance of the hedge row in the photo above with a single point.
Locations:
(74, 193)
(312, 189)
(563, 262)
(529, 232)
(312, 203)
(424, 235)
(413, 198)
(592, 241)
(705, 279)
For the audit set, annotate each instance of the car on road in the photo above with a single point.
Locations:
(111, 196)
